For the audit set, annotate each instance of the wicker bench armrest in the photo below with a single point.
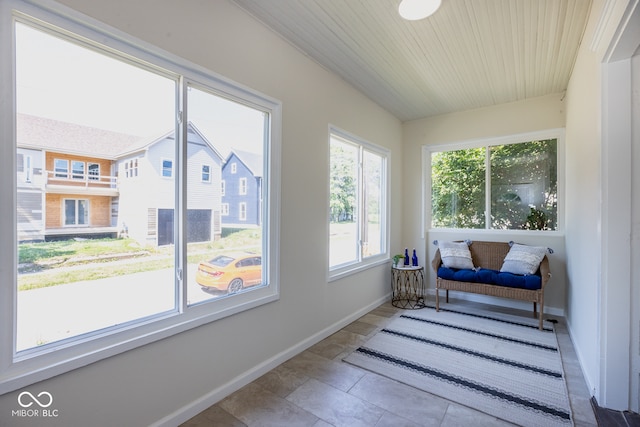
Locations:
(437, 261)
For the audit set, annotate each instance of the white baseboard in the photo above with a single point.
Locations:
(194, 408)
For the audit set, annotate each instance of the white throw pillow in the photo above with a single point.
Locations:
(455, 255)
(523, 259)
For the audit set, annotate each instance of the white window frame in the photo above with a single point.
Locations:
(224, 209)
(242, 211)
(242, 187)
(20, 369)
(427, 150)
(362, 263)
(163, 169)
(59, 174)
(75, 175)
(208, 173)
(92, 176)
(223, 187)
(64, 213)
(28, 167)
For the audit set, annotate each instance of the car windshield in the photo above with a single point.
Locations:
(221, 261)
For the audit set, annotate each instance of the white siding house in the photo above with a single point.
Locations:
(147, 176)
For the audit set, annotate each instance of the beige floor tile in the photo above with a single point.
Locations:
(458, 415)
(392, 420)
(338, 343)
(214, 416)
(335, 373)
(400, 399)
(282, 380)
(361, 328)
(335, 406)
(255, 406)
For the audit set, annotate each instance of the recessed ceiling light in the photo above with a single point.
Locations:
(414, 10)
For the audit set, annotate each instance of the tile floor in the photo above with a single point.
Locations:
(315, 388)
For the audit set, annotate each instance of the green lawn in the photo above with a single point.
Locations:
(54, 263)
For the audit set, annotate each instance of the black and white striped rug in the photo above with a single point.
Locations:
(499, 364)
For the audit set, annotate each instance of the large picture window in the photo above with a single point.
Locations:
(358, 203)
(151, 256)
(510, 185)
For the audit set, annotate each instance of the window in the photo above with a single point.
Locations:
(242, 211)
(225, 209)
(28, 168)
(206, 173)
(242, 187)
(234, 167)
(77, 169)
(167, 168)
(504, 184)
(358, 203)
(179, 217)
(222, 187)
(131, 168)
(76, 212)
(94, 171)
(61, 168)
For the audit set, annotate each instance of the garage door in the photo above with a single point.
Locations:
(198, 226)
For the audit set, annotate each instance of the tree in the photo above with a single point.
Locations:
(342, 182)
(523, 188)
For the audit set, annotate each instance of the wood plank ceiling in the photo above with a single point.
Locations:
(469, 54)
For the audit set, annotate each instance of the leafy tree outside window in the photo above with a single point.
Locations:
(357, 203)
(507, 187)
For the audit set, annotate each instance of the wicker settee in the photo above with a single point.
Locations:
(488, 257)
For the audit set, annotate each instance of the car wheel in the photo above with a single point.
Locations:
(235, 286)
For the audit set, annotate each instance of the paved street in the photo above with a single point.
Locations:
(54, 313)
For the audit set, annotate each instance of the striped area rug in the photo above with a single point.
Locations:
(499, 364)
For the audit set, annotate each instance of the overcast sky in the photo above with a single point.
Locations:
(60, 80)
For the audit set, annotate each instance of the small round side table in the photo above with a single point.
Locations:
(407, 286)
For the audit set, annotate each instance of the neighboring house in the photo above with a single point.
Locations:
(242, 190)
(78, 181)
(147, 174)
(66, 180)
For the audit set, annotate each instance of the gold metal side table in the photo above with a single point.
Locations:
(407, 286)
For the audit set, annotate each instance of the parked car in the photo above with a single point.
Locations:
(230, 272)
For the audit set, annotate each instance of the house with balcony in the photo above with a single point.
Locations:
(78, 181)
(66, 179)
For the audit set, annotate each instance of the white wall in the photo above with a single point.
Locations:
(599, 203)
(159, 380)
(508, 119)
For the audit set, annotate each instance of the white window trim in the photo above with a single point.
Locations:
(64, 213)
(165, 159)
(341, 271)
(242, 187)
(18, 370)
(242, 211)
(93, 176)
(427, 150)
(55, 169)
(208, 173)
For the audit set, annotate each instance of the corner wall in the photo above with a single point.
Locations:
(507, 119)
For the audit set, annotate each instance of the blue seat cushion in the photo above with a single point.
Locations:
(492, 277)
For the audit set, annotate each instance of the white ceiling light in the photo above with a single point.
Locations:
(413, 10)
